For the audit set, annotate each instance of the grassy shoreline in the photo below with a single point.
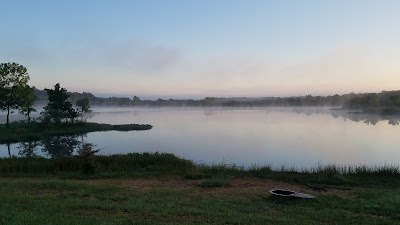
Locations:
(160, 188)
(162, 164)
(19, 132)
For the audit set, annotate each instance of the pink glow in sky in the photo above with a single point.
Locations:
(206, 48)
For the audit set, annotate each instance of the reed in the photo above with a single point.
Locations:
(157, 164)
(163, 163)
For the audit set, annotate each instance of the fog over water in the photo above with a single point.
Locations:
(299, 137)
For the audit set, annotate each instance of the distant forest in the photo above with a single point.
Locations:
(389, 100)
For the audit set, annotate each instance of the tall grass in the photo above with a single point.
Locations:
(333, 169)
(163, 163)
(149, 164)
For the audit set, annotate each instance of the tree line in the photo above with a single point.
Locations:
(17, 94)
(384, 99)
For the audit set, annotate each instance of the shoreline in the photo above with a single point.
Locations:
(161, 188)
(19, 131)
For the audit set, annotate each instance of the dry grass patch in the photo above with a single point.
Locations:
(238, 186)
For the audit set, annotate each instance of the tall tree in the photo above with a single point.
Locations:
(27, 100)
(83, 105)
(58, 109)
(13, 79)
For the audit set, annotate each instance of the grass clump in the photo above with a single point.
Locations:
(196, 176)
(214, 183)
(162, 163)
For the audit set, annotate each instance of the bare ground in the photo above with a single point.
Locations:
(238, 186)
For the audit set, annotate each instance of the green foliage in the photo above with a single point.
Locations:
(27, 101)
(383, 102)
(144, 162)
(87, 153)
(362, 101)
(59, 109)
(13, 86)
(162, 163)
(386, 102)
(83, 106)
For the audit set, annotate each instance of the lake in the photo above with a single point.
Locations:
(293, 137)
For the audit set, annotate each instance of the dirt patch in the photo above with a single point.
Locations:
(144, 183)
(238, 186)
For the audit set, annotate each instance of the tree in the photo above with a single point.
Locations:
(83, 106)
(87, 152)
(59, 109)
(13, 79)
(27, 100)
(136, 100)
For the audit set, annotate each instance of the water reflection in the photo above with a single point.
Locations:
(8, 144)
(298, 137)
(54, 147)
(87, 149)
(355, 116)
(372, 119)
(28, 149)
(59, 146)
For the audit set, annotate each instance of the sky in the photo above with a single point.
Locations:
(199, 48)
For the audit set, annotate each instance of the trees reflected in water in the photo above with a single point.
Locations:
(59, 146)
(367, 118)
(64, 146)
(356, 116)
(54, 147)
(28, 149)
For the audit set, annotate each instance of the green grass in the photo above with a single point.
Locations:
(159, 164)
(160, 188)
(68, 202)
(132, 164)
(213, 183)
(19, 131)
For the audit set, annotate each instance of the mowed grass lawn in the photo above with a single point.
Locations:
(175, 200)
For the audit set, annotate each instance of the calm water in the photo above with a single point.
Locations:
(299, 137)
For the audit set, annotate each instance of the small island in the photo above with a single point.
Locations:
(58, 117)
(19, 132)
